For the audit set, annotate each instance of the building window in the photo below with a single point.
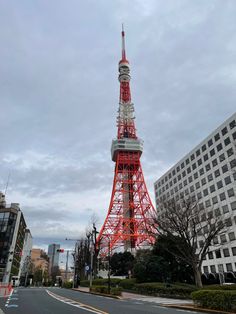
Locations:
(208, 203)
(230, 192)
(213, 269)
(173, 172)
(187, 161)
(233, 205)
(217, 137)
(210, 177)
(197, 185)
(222, 157)
(190, 179)
(227, 141)
(217, 173)
(210, 255)
(230, 152)
(188, 170)
(227, 180)
(214, 200)
(205, 157)
(228, 222)
(201, 171)
(233, 163)
(234, 135)
(218, 254)
(203, 181)
(192, 157)
(199, 195)
(214, 162)
(222, 196)
(205, 192)
(212, 152)
(205, 269)
(191, 188)
(212, 188)
(234, 251)
(231, 236)
(210, 142)
(194, 166)
(225, 209)
(219, 147)
(198, 152)
(226, 252)
(224, 131)
(178, 169)
(208, 167)
(203, 148)
(219, 184)
(229, 267)
(199, 162)
(232, 124)
(225, 168)
(215, 241)
(182, 165)
(217, 212)
(223, 238)
(195, 175)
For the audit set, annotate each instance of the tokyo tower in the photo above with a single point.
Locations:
(129, 221)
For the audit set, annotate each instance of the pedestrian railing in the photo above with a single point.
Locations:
(5, 289)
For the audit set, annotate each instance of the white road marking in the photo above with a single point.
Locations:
(75, 304)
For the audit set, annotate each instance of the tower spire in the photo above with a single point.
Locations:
(123, 43)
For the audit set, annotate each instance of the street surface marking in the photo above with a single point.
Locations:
(186, 311)
(75, 303)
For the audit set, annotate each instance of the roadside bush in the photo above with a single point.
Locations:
(68, 284)
(155, 288)
(215, 299)
(84, 283)
(104, 290)
(127, 284)
(220, 287)
(103, 282)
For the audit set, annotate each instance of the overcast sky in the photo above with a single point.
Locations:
(59, 97)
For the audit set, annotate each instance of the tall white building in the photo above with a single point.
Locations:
(209, 172)
(53, 255)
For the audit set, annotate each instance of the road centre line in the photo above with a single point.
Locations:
(75, 303)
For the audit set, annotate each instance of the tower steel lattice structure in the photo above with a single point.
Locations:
(129, 221)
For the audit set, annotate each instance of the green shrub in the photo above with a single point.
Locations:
(104, 290)
(116, 291)
(68, 284)
(220, 287)
(215, 299)
(127, 283)
(84, 283)
(160, 289)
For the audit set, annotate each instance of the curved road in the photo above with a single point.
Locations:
(63, 301)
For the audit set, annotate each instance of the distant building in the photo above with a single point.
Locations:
(208, 173)
(12, 234)
(26, 257)
(39, 259)
(53, 254)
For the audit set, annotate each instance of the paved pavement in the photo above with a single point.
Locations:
(65, 301)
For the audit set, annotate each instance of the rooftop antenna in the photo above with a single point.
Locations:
(7, 184)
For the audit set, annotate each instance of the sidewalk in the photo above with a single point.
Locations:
(140, 297)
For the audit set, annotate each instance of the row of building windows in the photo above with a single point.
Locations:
(212, 269)
(226, 252)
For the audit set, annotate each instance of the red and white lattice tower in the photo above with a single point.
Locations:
(129, 222)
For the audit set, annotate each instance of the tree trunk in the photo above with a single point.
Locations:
(197, 276)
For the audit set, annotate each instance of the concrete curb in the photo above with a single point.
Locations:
(101, 294)
(195, 308)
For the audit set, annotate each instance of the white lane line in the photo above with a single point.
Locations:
(78, 304)
(186, 311)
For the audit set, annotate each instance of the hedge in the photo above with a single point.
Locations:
(220, 287)
(154, 288)
(215, 299)
(127, 284)
(101, 282)
(104, 290)
(68, 284)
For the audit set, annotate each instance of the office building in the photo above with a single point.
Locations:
(26, 257)
(208, 172)
(12, 234)
(53, 254)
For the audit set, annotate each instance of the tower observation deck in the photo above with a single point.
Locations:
(129, 222)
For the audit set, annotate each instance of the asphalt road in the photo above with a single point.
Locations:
(62, 301)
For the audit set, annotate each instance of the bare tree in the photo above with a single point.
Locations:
(191, 228)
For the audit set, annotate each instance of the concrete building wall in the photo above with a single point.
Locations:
(209, 172)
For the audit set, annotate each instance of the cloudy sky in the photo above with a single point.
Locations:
(59, 97)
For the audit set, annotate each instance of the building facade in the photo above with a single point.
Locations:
(208, 172)
(12, 234)
(53, 254)
(26, 257)
(39, 259)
